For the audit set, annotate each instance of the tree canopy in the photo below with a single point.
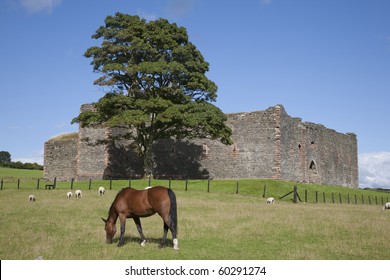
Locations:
(155, 84)
(5, 157)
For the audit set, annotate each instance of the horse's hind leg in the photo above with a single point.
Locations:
(173, 229)
(139, 228)
(168, 224)
(164, 239)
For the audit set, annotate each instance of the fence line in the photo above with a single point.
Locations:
(236, 189)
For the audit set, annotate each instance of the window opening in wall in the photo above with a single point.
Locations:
(313, 167)
(205, 151)
(314, 177)
(235, 150)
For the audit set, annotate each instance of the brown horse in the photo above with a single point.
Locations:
(136, 204)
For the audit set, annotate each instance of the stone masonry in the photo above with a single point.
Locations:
(267, 144)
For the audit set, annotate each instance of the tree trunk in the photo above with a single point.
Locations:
(148, 161)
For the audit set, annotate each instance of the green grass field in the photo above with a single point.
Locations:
(12, 174)
(219, 224)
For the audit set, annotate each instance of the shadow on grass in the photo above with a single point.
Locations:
(130, 239)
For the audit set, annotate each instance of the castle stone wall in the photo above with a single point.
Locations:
(251, 155)
(313, 153)
(92, 158)
(267, 144)
(60, 159)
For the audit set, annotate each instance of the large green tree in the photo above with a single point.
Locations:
(5, 157)
(155, 84)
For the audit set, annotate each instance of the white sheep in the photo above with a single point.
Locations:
(69, 195)
(101, 190)
(78, 194)
(386, 207)
(31, 198)
(270, 200)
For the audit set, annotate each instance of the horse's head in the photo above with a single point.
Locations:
(110, 229)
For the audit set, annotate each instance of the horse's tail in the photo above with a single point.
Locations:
(173, 209)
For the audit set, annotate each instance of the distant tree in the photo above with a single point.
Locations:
(157, 87)
(5, 157)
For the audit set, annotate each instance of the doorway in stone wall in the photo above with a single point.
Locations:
(314, 177)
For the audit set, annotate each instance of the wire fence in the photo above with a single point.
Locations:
(296, 194)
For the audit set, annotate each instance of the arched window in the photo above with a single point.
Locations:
(314, 177)
(313, 167)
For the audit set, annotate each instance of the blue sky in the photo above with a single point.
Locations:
(326, 61)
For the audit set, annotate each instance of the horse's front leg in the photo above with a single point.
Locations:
(139, 228)
(123, 227)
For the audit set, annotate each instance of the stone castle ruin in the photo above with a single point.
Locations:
(267, 144)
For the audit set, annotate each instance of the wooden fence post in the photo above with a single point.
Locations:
(55, 183)
(295, 194)
(341, 202)
(208, 185)
(71, 183)
(186, 184)
(316, 196)
(90, 183)
(265, 188)
(1, 184)
(333, 198)
(306, 195)
(323, 197)
(110, 184)
(38, 184)
(18, 184)
(237, 187)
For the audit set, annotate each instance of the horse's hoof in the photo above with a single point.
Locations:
(143, 243)
(161, 246)
(175, 244)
